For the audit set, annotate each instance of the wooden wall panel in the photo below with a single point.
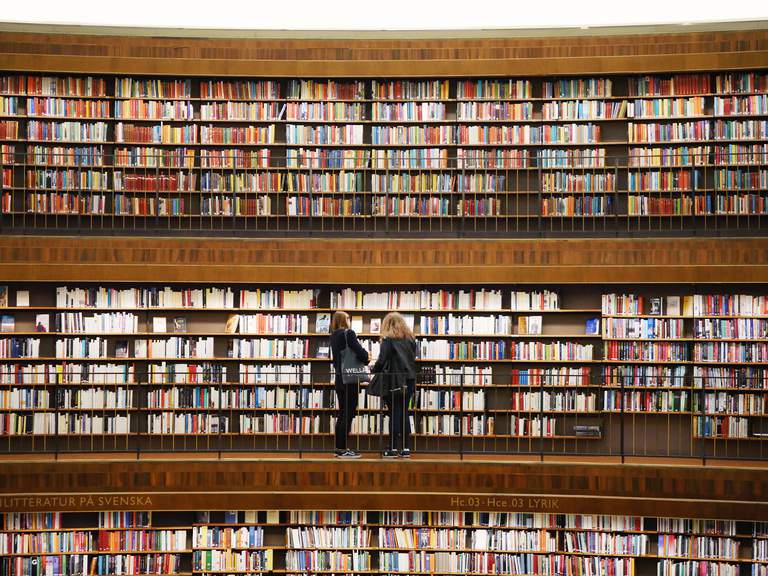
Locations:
(687, 491)
(383, 261)
(365, 57)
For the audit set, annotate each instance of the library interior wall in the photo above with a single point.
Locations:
(717, 491)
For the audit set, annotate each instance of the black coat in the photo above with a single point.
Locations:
(338, 343)
(401, 355)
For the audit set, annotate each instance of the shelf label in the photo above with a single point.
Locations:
(79, 502)
(526, 503)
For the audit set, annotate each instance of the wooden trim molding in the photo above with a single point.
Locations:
(318, 261)
(53, 51)
(684, 491)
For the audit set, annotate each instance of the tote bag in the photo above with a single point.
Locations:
(353, 370)
(379, 385)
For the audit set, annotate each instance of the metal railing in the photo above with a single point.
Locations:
(456, 413)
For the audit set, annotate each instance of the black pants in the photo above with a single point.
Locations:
(346, 399)
(399, 420)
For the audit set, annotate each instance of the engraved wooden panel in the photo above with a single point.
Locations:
(384, 261)
(574, 54)
(690, 491)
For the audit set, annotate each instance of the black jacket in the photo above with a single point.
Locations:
(338, 344)
(401, 355)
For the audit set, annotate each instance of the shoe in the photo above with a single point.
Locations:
(405, 453)
(390, 454)
(347, 454)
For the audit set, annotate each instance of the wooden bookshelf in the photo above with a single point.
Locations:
(503, 369)
(678, 153)
(377, 542)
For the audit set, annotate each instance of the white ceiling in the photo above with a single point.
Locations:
(379, 14)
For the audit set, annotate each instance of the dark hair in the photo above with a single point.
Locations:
(339, 320)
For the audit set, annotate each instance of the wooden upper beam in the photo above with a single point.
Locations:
(444, 261)
(374, 57)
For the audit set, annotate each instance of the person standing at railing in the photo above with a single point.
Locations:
(346, 394)
(397, 364)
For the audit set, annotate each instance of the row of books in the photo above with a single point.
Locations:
(698, 546)
(613, 304)
(251, 398)
(746, 328)
(650, 376)
(482, 89)
(740, 404)
(412, 111)
(570, 401)
(644, 328)
(120, 399)
(646, 401)
(646, 351)
(227, 538)
(477, 159)
(154, 204)
(681, 180)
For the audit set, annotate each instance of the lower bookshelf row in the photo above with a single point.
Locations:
(352, 542)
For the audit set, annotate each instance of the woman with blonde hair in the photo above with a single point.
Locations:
(397, 364)
(346, 394)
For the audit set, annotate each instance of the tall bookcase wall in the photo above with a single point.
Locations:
(504, 156)
(379, 542)
(529, 369)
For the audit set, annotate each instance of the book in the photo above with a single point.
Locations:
(687, 305)
(409, 320)
(159, 324)
(203, 517)
(357, 324)
(179, 325)
(42, 323)
(3, 296)
(529, 324)
(323, 352)
(323, 323)
(673, 305)
(233, 322)
(655, 306)
(273, 516)
(7, 323)
(375, 327)
(121, 349)
(22, 297)
(230, 517)
(592, 430)
(251, 516)
(592, 326)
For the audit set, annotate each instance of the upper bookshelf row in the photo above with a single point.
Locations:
(360, 90)
(609, 138)
(726, 305)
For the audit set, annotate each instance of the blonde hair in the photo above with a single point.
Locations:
(394, 326)
(339, 320)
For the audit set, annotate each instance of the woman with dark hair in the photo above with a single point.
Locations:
(397, 363)
(346, 394)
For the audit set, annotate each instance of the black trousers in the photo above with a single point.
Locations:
(346, 403)
(399, 420)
